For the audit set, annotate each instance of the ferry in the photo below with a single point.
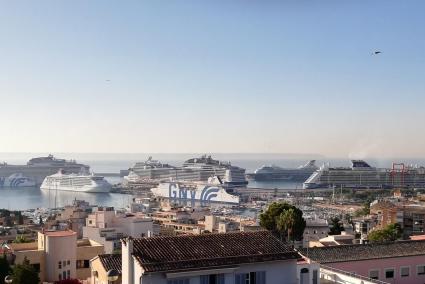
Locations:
(76, 182)
(17, 180)
(194, 192)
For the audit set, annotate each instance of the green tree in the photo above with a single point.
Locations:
(269, 219)
(285, 223)
(335, 227)
(25, 274)
(20, 219)
(21, 239)
(4, 268)
(8, 221)
(390, 233)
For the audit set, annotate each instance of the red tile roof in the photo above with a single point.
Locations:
(193, 252)
(346, 253)
(60, 233)
(111, 261)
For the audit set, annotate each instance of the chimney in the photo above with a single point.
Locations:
(127, 261)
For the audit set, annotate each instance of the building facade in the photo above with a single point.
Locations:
(108, 227)
(57, 255)
(231, 258)
(399, 262)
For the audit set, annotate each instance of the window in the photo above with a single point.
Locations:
(60, 264)
(389, 273)
(68, 274)
(405, 271)
(68, 262)
(60, 277)
(64, 263)
(258, 277)
(315, 276)
(374, 274)
(36, 266)
(420, 269)
(178, 281)
(212, 279)
(83, 263)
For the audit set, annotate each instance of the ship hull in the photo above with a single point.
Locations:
(88, 189)
(203, 193)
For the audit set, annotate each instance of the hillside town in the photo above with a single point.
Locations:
(314, 240)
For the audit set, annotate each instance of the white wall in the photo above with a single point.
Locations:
(280, 272)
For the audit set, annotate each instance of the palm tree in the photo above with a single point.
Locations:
(285, 222)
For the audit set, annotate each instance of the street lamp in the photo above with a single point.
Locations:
(8, 279)
(112, 275)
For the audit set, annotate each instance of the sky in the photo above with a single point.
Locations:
(213, 76)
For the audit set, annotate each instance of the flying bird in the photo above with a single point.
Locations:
(377, 52)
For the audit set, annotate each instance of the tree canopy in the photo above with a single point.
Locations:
(283, 218)
(25, 273)
(4, 268)
(335, 226)
(390, 233)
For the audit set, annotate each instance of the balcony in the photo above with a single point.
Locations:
(333, 275)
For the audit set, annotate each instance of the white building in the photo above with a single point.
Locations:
(108, 227)
(315, 230)
(231, 258)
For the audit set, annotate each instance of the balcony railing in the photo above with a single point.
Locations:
(334, 275)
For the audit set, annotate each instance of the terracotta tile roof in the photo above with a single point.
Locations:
(345, 253)
(193, 252)
(66, 233)
(111, 261)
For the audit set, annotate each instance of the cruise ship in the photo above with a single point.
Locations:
(362, 175)
(195, 169)
(76, 182)
(17, 180)
(194, 192)
(273, 173)
(38, 168)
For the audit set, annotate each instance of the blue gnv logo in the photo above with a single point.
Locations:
(177, 192)
(13, 182)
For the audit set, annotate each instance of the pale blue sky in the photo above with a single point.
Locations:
(213, 76)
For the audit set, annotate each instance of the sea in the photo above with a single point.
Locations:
(32, 198)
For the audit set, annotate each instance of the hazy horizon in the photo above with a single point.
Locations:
(155, 155)
(213, 76)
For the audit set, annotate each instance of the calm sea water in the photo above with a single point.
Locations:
(26, 198)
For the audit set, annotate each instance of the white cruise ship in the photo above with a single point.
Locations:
(17, 180)
(272, 172)
(362, 175)
(194, 192)
(76, 182)
(195, 169)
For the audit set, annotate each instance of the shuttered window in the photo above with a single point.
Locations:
(257, 277)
